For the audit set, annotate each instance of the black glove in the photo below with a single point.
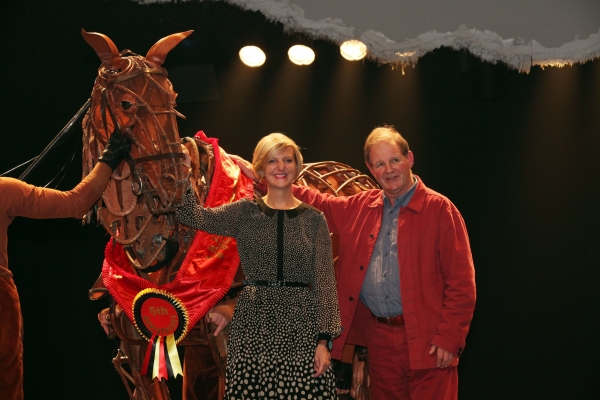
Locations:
(117, 148)
(361, 352)
(342, 373)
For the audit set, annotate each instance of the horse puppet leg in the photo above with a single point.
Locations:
(128, 359)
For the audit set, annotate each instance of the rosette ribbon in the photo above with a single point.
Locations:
(162, 319)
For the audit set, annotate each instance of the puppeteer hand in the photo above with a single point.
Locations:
(117, 148)
(342, 372)
(218, 319)
(444, 358)
(104, 318)
(221, 315)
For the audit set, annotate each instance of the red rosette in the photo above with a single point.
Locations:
(159, 313)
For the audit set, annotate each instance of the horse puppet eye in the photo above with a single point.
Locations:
(128, 104)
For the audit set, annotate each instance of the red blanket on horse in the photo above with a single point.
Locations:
(205, 275)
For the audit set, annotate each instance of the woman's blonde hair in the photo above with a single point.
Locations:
(268, 147)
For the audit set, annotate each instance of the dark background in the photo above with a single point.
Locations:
(521, 165)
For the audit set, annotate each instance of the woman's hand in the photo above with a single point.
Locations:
(322, 359)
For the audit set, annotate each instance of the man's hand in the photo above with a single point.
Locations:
(444, 358)
(322, 359)
(245, 166)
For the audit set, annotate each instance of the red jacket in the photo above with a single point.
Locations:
(437, 277)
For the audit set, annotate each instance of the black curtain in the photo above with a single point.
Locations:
(517, 154)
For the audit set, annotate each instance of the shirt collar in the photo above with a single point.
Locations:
(402, 200)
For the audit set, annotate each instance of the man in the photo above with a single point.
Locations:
(406, 282)
(20, 199)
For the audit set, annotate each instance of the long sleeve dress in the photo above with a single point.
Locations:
(274, 329)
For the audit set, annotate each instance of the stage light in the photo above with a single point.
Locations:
(301, 55)
(353, 50)
(252, 56)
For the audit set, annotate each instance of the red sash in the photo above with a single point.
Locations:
(204, 278)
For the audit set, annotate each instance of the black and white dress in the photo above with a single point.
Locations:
(275, 329)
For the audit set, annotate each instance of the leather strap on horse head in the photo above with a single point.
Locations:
(155, 158)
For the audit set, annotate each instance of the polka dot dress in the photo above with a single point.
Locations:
(274, 329)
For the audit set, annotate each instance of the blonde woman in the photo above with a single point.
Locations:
(287, 312)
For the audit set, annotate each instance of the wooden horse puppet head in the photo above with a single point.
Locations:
(133, 95)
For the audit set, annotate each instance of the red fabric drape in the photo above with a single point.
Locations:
(211, 262)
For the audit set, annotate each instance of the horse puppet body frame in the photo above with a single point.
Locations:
(133, 95)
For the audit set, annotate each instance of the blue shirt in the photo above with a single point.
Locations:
(381, 288)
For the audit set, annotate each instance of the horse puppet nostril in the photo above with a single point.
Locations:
(168, 181)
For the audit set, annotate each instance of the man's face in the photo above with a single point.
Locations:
(391, 169)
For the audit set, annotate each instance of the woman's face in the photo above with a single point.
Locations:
(280, 170)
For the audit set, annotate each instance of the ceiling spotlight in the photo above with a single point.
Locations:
(353, 50)
(252, 56)
(301, 55)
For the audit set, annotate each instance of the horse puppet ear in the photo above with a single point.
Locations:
(105, 48)
(158, 53)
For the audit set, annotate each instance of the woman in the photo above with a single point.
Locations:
(288, 312)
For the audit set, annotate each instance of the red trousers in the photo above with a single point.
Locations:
(11, 342)
(390, 373)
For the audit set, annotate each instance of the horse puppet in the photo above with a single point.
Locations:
(163, 277)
